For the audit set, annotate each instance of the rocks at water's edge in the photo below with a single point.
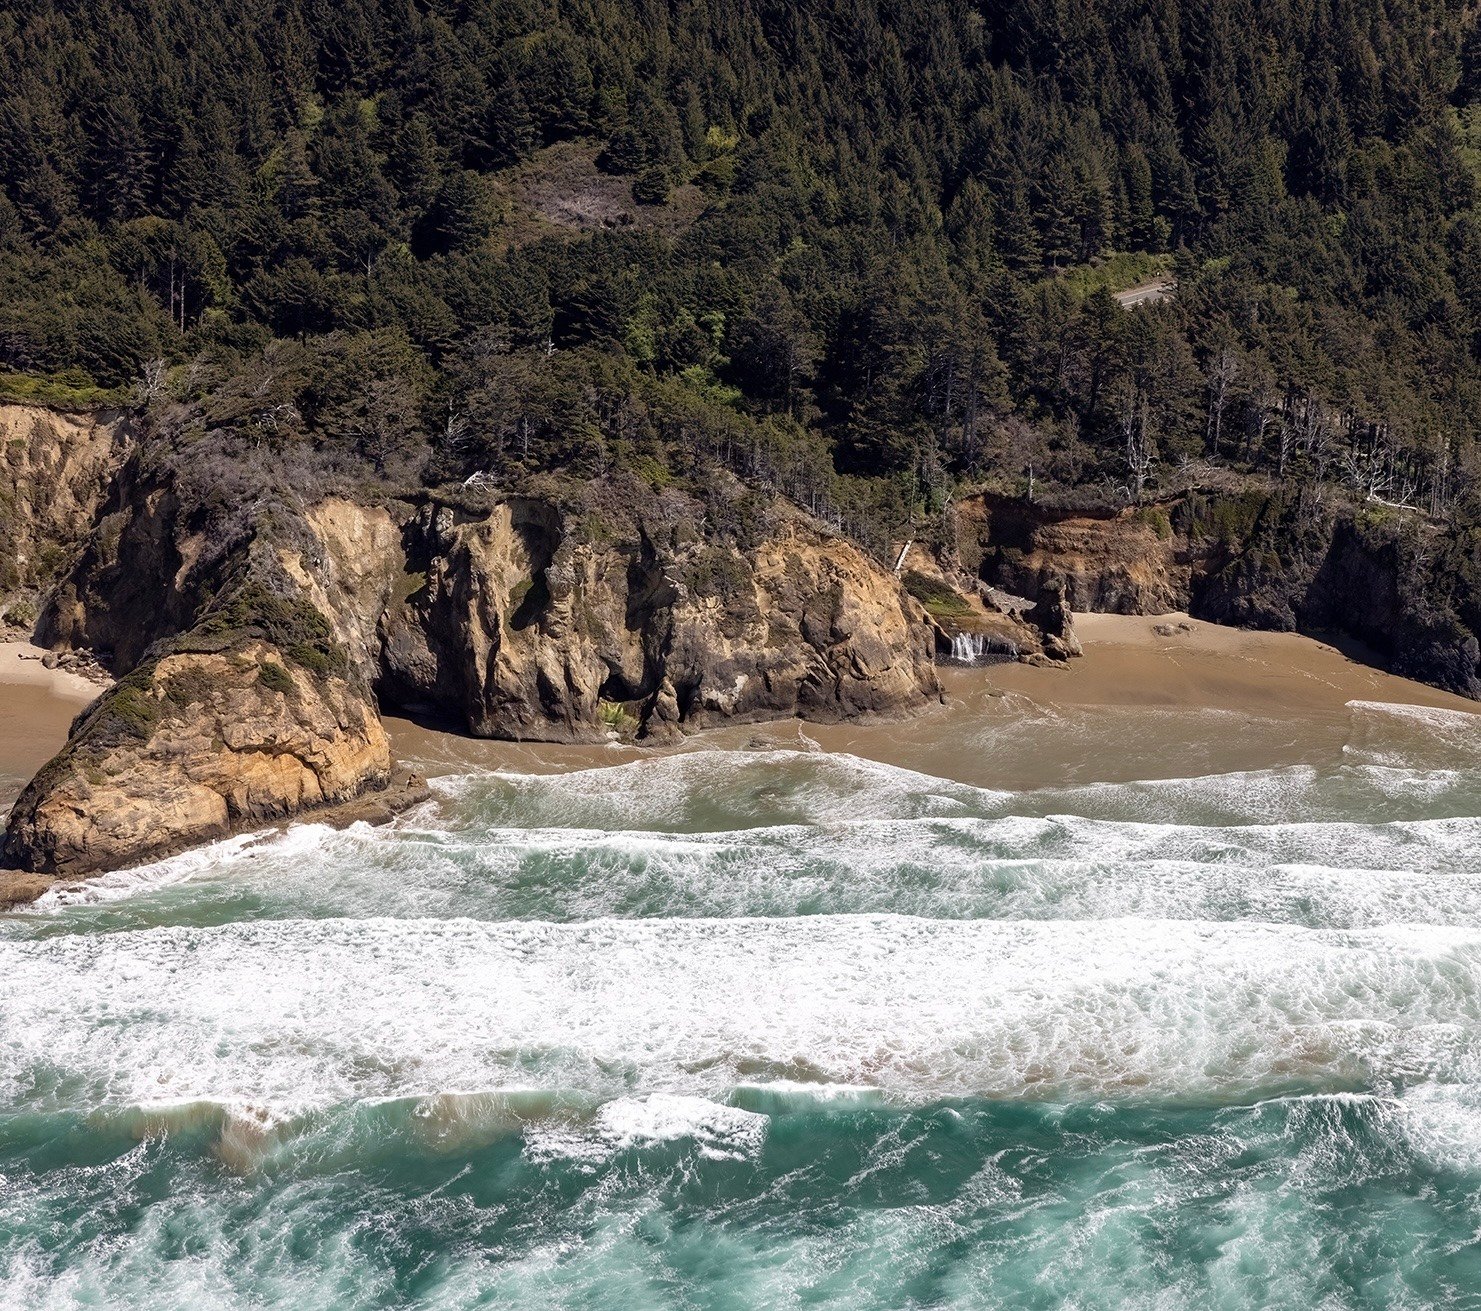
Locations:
(1262, 557)
(191, 747)
(252, 671)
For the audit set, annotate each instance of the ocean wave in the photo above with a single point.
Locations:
(1088, 1204)
(1407, 737)
(1015, 867)
(718, 791)
(709, 791)
(340, 1010)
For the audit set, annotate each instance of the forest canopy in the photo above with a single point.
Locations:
(859, 253)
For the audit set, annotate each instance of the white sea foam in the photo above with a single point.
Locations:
(712, 833)
(712, 791)
(299, 1014)
(716, 1131)
(1014, 867)
(121, 883)
(1406, 736)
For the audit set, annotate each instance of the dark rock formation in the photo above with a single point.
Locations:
(1258, 559)
(1051, 616)
(250, 667)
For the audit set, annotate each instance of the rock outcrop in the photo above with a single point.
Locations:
(190, 747)
(976, 623)
(523, 621)
(1108, 561)
(1050, 615)
(251, 667)
(55, 469)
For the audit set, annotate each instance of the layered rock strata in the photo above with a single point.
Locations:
(251, 672)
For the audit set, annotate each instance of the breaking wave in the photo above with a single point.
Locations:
(765, 1028)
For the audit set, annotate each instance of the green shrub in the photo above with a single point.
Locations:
(1155, 518)
(289, 623)
(940, 600)
(129, 710)
(275, 678)
(71, 389)
(715, 571)
(21, 613)
(616, 717)
(189, 687)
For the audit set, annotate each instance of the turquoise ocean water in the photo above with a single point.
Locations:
(734, 1029)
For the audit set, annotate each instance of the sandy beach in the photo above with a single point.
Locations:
(37, 706)
(1140, 703)
(1132, 660)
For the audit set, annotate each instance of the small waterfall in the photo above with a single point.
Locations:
(981, 649)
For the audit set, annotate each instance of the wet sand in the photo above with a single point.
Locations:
(1128, 662)
(1138, 704)
(37, 707)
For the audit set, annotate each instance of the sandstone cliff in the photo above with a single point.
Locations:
(527, 620)
(55, 470)
(190, 747)
(256, 643)
(251, 664)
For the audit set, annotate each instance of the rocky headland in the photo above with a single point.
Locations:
(251, 666)
(255, 642)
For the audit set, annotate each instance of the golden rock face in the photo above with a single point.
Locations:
(217, 742)
(250, 676)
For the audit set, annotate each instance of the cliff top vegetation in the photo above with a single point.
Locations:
(857, 253)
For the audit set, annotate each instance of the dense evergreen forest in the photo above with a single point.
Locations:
(859, 252)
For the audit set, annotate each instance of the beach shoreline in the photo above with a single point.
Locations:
(21, 665)
(37, 707)
(1148, 686)
(1153, 696)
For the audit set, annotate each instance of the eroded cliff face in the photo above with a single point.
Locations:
(234, 703)
(1274, 559)
(1110, 562)
(55, 470)
(524, 621)
(191, 747)
(251, 669)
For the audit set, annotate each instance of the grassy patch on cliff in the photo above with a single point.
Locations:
(275, 678)
(940, 601)
(1155, 518)
(129, 710)
(69, 390)
(189, 687)
(291, 624)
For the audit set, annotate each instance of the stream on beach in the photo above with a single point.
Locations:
(1111, 1008)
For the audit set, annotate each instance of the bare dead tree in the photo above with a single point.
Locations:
(151, 384)
(1137, 447)
(1222, 371)
(1371, 469)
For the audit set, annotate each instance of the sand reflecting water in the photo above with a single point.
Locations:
(37, 706)
(1138, 705)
